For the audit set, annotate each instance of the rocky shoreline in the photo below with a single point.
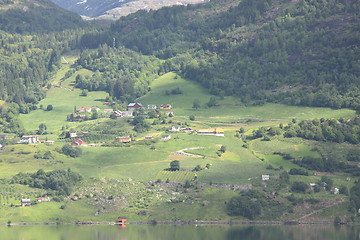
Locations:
(178, 223)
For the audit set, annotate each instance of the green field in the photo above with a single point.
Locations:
(136, 164)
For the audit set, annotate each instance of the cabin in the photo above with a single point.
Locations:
(25, 202)
(77, 142)
(149, 137)
(29, 139)
(174, 129)
(123, 139)
(121, 220)
(107, 103)
(151, 107)
(2, 137)
(134, 106)
(166, 106)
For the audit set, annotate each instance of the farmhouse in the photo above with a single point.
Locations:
(25, 202)
(123, 139)
(134, 106)
(29, 139)
(174, 129)
(77, 142)
(107, 103)
(165, 106)
(2, 137)
(215, 132)
(151, 107)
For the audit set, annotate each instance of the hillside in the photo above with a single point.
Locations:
(294, 52)
(21, 16)
(183, 114)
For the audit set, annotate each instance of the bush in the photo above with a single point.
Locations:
(197, 168)
(299, 187)
(192, 118)
(175, 165)
(49, 107)
(298, 171)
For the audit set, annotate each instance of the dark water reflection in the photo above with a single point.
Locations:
(140, 232)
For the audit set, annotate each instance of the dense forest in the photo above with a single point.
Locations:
(121, 72)
(41, 16)
(60, 182)
(298, 53)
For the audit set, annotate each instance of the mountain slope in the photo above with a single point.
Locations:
(36, 16)
(297, 52)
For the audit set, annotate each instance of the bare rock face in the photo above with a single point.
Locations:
(114, 9)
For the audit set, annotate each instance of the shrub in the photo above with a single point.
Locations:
(49, 107)
(299, 187)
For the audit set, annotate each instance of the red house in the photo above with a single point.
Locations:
(133, 106)
(77, 142)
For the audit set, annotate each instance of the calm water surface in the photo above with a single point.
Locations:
(139, 232)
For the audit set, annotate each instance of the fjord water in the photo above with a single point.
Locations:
(188, 232)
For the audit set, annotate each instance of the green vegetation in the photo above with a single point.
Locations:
(226, 67)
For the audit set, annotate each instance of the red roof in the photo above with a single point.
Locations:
(77, 142)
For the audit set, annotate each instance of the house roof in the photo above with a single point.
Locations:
(134, 104)
(30, 136)
(78, 142)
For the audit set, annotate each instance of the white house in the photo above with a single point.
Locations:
(29, 139)
(265, 177)
(73, 134)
